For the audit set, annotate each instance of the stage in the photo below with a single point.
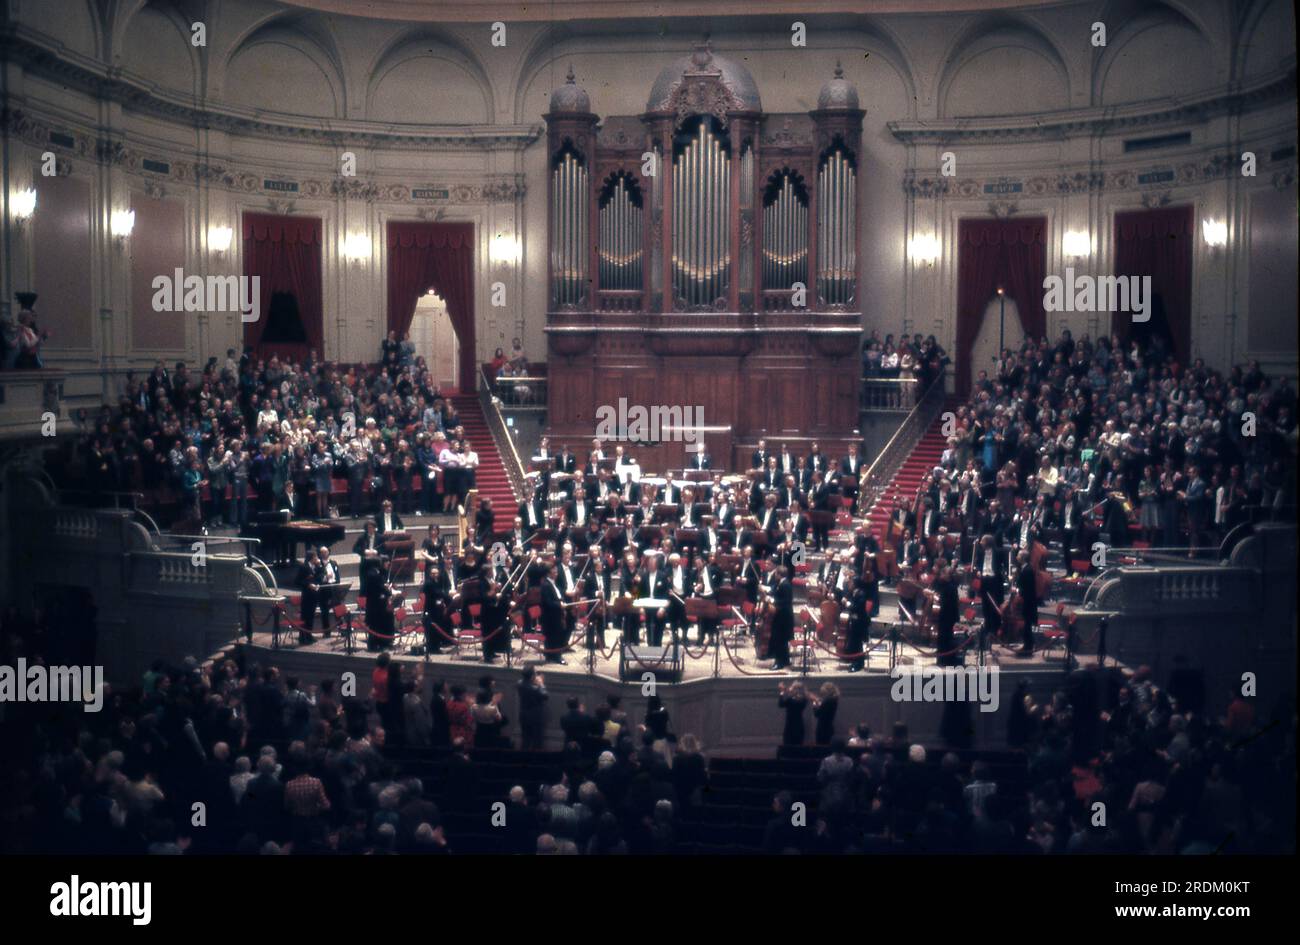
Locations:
(726, 697)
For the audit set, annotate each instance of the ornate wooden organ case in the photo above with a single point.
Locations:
(704, 254)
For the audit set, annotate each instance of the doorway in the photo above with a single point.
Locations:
(984, 352)
(436, 340)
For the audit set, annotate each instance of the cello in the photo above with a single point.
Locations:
(764, 613)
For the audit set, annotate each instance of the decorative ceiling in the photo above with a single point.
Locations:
(486, 11)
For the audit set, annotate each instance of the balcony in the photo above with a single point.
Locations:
(30, 401)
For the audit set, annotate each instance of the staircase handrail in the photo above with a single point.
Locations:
(876, 476)
(501, 433)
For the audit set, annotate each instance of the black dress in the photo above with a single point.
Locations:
(793, 734)
(825, 715)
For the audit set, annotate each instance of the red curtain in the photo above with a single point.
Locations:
(1158, 243)
(438, 256)
(285, 252)
(991, 253)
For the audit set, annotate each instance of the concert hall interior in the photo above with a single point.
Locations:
(659, 421)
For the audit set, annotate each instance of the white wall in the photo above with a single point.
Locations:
(1016, 94)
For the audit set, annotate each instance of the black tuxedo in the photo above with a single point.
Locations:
(437, 613)
(758, 459)
(1027, 584)
(554, 626)
(658, 589)
(397, 525)
(595, 586)
(949, 613)
(782, 623)
(725, 516)
(307, 605)
(700, 461)
(539, 515)
(324, 573)
(365, 543)
(676, 607)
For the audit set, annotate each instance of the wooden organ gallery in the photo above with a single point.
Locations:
(705, 254)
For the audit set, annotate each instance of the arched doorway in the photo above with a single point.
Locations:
(436, 340)
(984, 351)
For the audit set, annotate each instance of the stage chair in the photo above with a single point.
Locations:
(467, 638)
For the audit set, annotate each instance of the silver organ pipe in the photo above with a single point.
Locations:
(701, 215)
(785, 235)
(620, 237)
(837, 256)
(569, 229)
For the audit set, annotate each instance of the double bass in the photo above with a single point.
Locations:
(764, 613)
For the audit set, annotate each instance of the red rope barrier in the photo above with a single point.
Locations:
(744, 672)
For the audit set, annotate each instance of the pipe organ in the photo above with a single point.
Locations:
(785, 231)
(619, 234)
(837, 246)
(702, 211)
(569, 229)
(679, 238)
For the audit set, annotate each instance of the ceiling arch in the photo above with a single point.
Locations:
(988, 33)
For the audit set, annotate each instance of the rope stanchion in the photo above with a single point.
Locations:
(695, 656)
(549, 651)
(744, 672)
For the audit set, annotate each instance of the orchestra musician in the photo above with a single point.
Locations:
(782, 619)
(850, 471)
(554, 628)
(748, 577)
(785, 461)
(986, 564)
(651, 583)
(707, 578)
(758, 459)
(596, 588)
(518, 538)
(567, 572)
(681, 582)
(494, 608)
(629, 579)
(485, 518)
(325, 577)
(822, 499)
(367, 542)
(305, 583)
(700, 459)
(386, 520)
(437, 609)
(378, 593)
(949, 613)
(863, 604)
(1027, 585)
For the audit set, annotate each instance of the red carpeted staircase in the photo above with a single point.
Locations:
(491, 479)
(924, 457)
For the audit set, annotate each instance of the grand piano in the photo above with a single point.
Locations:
(280, 538)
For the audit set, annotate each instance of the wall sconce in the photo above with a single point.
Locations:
(1215, 233)
(923, 249)
(356, 247)
(504, 250)
(120, 224)
(22, 205)
(1076, 243)
(220, 238)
